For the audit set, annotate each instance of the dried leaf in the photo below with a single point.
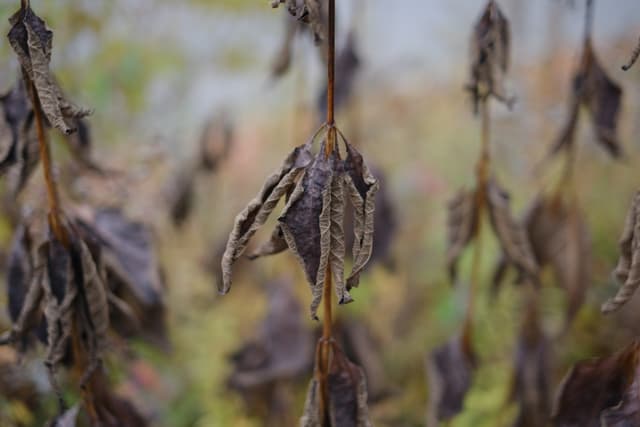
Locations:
(531, 383)
(15, 112)
(310, 12)
(601, 96)
(259, 209)
(450, 371)
(513, 238)
(362, 187)
(462, 225)
(559, 238)
(32, 42)
(627, 271)
(347, 392)
(490, 55)
(601, 392)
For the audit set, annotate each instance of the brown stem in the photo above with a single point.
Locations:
(45, 156)
(24, 4)
(482, 179)
(331, 60)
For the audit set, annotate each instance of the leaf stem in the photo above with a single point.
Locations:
(47, 168)
(331, 59)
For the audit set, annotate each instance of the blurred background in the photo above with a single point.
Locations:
(166, 78)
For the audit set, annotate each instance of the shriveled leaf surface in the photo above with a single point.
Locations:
(32, 42)
(594, 90)
(490, 55)
(601, 392)
(312, 12)
(347, 393)
(259, 209)
(450, 371)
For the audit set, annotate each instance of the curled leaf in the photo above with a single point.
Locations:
(32, 41)
(462, 223)
(490, 55)
(601, 392)
(310, 12)
(627, 272)
(512, 236)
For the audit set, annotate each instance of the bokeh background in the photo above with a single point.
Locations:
(157, 72)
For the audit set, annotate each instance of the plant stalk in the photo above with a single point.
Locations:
(47, 168)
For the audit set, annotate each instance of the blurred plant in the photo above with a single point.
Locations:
(57, 267)
(311, 225)
(450, 367)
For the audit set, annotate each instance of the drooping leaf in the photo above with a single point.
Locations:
(462, 223)
(450, 371)
(347, 394)
(531, 383)
(259, 209)
(490, 55)
(511, 235)
(627, 272)
(601, 392)
(32, 42)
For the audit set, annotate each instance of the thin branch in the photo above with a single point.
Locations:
(47, 168)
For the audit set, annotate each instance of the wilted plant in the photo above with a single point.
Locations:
(451, 366)
(59, 266)
(315, 187)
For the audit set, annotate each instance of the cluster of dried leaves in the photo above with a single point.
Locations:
(627, 272)
(559, 238)
(312, 223)
(462, 225)
(490, 56)
(312, 12)
(601, 392)
(594, 90)
(346, 393)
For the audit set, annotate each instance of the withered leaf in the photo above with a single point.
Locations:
(362, 187)
(560, 239)
(283, 347)
(132, 271)
(310, 12)
(450, 371)
(627, 272)
(32, 42)
(634, 57)
(531, 383)
(347, 393)
(462, 223)
(512, 236)
(601, 96)
(601, 392)
(490, 55)
(259, 209)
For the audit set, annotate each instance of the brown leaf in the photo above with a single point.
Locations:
(362, 187)
(601, 96)
(627, 271)
(512, 236)
(490, 55)
(32, 42)
(462, 225)
(259, 209)
(531, 382)
(347, 392)
(310, 12)
(450, 371)
(560, 239)
(601, 392)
